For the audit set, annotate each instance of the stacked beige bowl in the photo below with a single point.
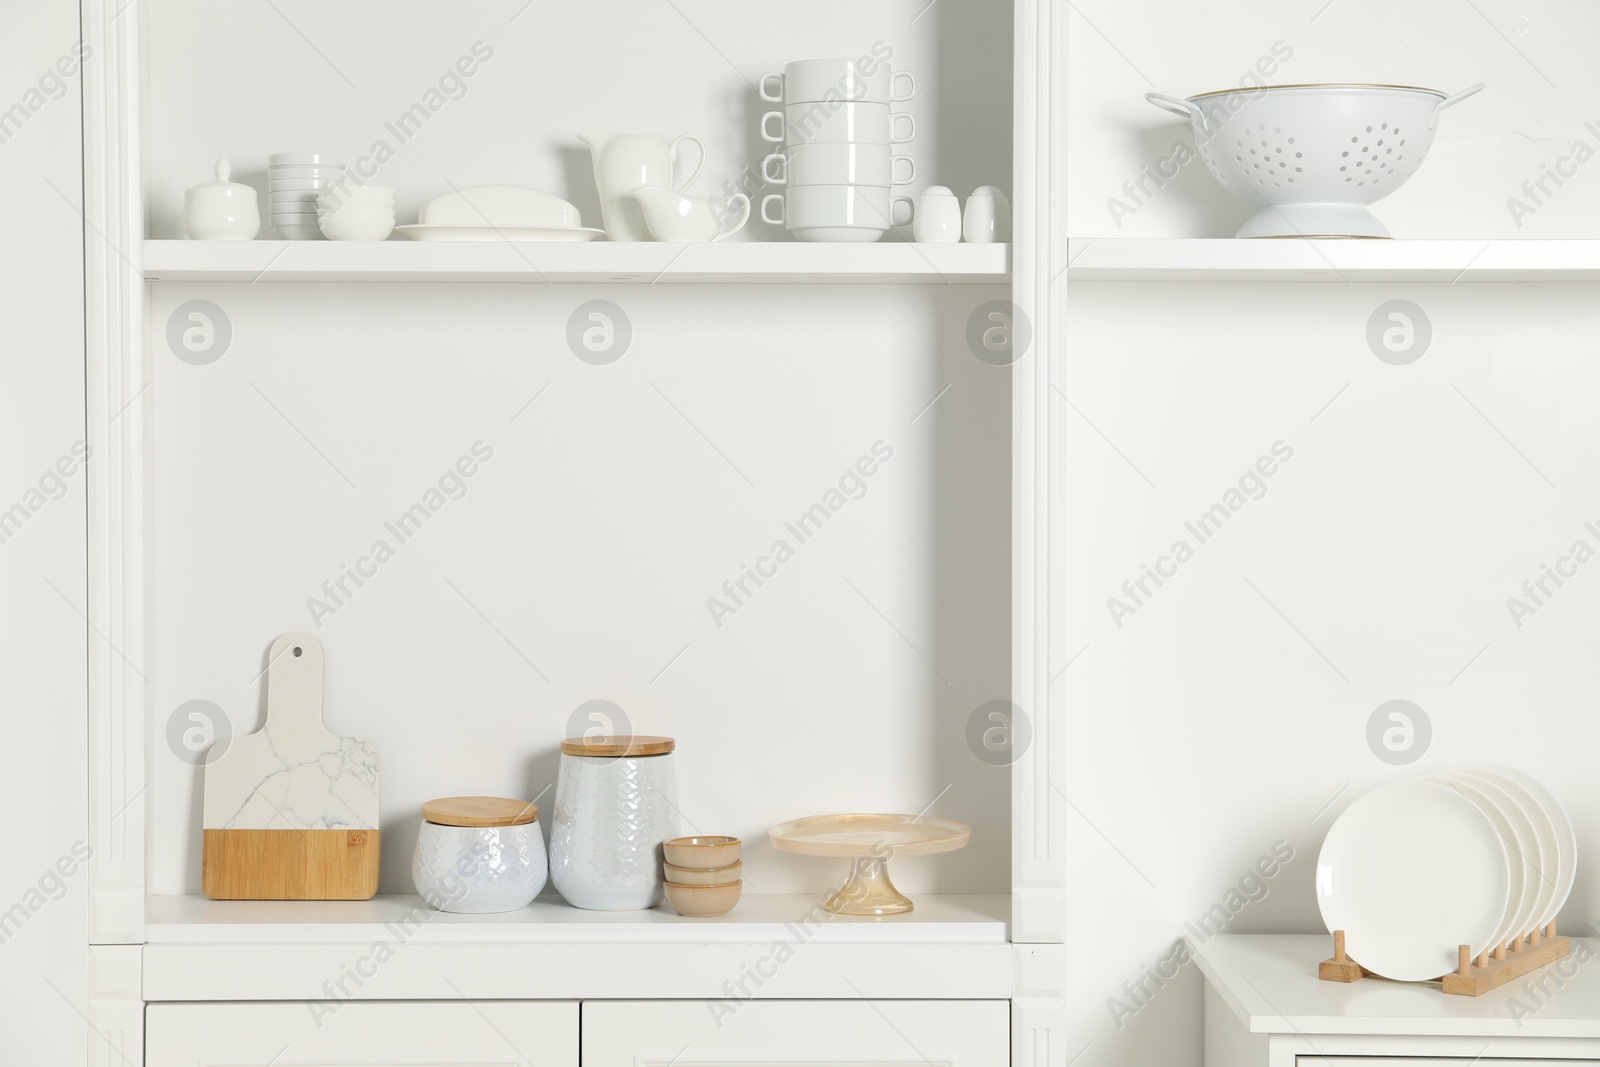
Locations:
(837, 161)
(702, 875)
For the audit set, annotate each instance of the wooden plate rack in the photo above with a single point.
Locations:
(1473, 977)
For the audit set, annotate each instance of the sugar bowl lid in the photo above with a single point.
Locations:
(479, 811)
(223, 170)
(618, 745)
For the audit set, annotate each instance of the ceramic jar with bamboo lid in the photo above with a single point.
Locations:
(479, 854)
(616, 802)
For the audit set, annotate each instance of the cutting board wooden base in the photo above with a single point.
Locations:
(290, 864)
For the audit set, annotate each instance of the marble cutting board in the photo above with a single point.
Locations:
(291, 812)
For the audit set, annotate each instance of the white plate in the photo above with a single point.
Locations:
(1515, 827)
(1410, 872)
(1565, 868)
(503, 233)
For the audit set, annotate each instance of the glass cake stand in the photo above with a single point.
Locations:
(869, 842)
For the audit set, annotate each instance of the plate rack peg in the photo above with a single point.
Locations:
(1475, 977)
(1472, 977)
(1341, 968)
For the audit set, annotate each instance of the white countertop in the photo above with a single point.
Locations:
(1270, 983)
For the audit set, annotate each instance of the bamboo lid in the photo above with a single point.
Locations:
(621, 745)
(479, 811)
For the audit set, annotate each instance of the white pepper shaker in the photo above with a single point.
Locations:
(938, 217)
(988, 216)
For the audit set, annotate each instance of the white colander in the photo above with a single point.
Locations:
(1311, 157)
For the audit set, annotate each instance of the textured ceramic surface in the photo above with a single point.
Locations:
(611, 818)
(479, 869)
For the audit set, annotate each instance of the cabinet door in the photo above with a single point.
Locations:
(456, 1033)
(797, 1033)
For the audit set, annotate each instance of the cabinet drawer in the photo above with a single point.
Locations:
(454, 1033)
(879, 1033)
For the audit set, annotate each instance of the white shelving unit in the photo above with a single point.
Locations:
(599, 261)
(839, 337)
(1232, 260)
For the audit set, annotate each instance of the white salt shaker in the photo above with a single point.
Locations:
(938, 217)
(479, 854)
(616, 802)
(988, 217)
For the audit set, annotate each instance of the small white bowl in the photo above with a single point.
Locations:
(339, 228)
(311, 185)
(279, 159)
(335, 203)
(279, 174)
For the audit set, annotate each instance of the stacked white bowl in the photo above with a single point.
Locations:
(838, 136)
(347, 212)
(294, 180)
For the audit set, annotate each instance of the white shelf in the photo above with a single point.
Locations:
(599, 261)
(759, 918)
(1232, 260)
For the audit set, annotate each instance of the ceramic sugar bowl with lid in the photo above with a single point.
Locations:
(221, 210)
(616, 802)
(479, 855)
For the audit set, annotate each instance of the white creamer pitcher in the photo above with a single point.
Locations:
(624, 162)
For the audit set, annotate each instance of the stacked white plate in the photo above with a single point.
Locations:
(1480, 856)
(294, 180)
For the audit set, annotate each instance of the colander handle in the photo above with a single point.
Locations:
(1178, 107)
(1456, 99)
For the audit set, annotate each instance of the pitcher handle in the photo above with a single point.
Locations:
(672, 150)
(744, 217)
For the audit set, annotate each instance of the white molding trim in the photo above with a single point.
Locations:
(116, 411)
(1039, 1007)
(1038, 852)
(116, 1006)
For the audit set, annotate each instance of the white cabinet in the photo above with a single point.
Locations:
(456, 1033)
(861, 1033)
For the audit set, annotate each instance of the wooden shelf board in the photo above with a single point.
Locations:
(759, 918)
(599, 261)
(1232, 260)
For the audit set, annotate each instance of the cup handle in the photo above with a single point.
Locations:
(911, 128)
(911, 170)
(911, 87)
(765, 217)
(768, 135)
(766, 171)
(775, 97)
(672, 152)
(744, 216)
(911, 210)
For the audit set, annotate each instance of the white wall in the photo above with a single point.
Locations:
(1230, 712)
(43, 788)
(595, 536)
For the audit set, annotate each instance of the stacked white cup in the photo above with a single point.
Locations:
(838, 136)
(294, 180)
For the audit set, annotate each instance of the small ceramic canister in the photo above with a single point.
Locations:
(479, 854)
(988, 217)
(616, 802)
(938, 217)
(221, 210)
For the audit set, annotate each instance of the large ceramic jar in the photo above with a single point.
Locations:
(616, 802)
(479, 854)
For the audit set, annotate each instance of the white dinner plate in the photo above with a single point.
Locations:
(1565, 869)
(419, 232)
(1523, 851)
(1410, 872)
